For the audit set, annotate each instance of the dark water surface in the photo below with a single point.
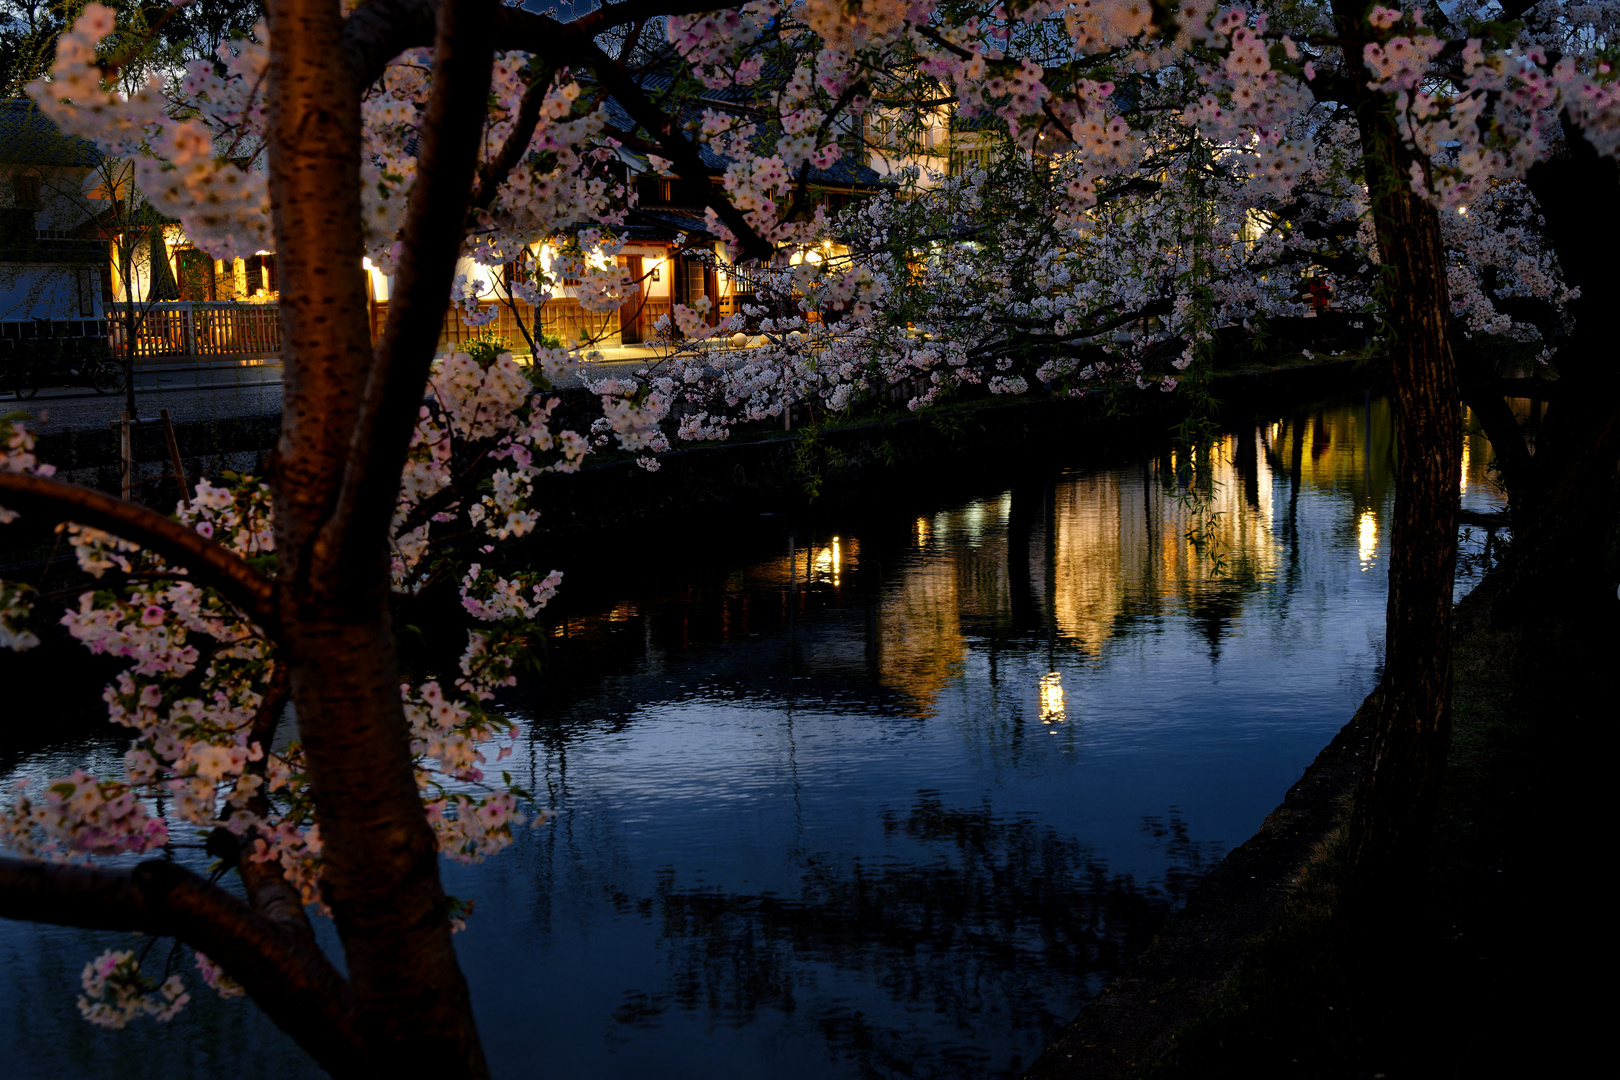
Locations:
(889, 797)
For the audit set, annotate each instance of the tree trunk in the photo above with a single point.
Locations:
(381, 874)
(1562, 513)
(1395, 801)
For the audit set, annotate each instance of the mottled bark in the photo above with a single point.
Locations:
(452, 131)
(1398, 791)
(381, 863)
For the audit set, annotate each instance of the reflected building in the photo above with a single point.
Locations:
(1070, 564)
(1095, 553)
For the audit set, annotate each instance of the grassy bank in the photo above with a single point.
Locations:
(1480, 988)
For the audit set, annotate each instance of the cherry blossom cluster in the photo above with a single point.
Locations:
(188, 162)
(16, 609)
(116, 992)
(214, 977)
(476, 821)
(81, 814)
(1496, 253)
(481, 416)
(205, 747)
(1489, 114)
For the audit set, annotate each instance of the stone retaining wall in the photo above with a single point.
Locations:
(774, 473)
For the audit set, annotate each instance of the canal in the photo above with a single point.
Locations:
(883, 796)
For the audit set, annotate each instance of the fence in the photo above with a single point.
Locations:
(562, 317)
(198, 332)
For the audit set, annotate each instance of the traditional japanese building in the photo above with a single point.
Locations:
(49, 270)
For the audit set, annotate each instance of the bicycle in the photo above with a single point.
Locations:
(52, 358)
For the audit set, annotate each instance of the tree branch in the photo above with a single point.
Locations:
(299, 989)
(497, 168)
(389, 27)
(380, 30)
(209, 564)
(268, 890)
(680, 150)
(452, 132)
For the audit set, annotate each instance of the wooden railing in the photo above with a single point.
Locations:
(563, 318)
(187, 331)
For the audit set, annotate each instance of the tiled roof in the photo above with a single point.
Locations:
(28, 137)
(666, 224)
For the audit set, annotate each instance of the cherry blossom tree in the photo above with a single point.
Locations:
(1164, 154)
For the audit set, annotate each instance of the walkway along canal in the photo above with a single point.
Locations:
(887, 795)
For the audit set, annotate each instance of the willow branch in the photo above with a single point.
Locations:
(297, 987)
(209, 564)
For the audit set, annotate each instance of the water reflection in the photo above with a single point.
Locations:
(1052, 707)
(894, 795)
(984, 921)
(1367, 538)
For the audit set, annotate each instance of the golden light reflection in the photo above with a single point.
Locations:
(1367, 538)
(829, 565)
(1052, 698)
(922, 532)
(1118, 541)
(973, 520)
(1465, 464)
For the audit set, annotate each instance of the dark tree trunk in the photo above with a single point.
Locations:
(1395, 801)
(381, 877)
(1562, 555)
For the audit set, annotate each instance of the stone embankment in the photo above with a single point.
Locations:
(760, 472)
(831, 467)
(1471, 975)
(1135, 1021)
